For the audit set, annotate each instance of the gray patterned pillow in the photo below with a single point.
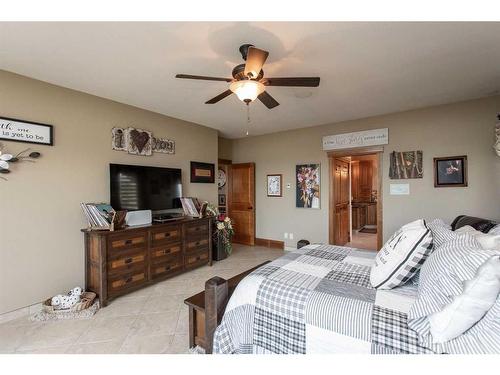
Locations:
(401, 256)
(441, 279)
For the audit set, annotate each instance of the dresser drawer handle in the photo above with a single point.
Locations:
(128, 280)
(128, 260)
(167, 234)
(167, 268)
(128, 242)
(198, 257)
(197, 243)
(167, 251)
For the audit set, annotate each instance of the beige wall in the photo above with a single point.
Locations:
(464, 128)
(225, 148)
(41, 247)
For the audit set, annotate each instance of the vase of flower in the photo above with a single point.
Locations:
(222, 234)
(218, 251)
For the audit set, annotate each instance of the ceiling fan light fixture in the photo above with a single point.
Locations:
(247, 90)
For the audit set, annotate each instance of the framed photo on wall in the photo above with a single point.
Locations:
(222, 199)
(308, 185)
(450, 171)
(274, 185)
(202, 172)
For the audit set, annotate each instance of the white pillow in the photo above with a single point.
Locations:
(486, 240)
(478, 297)
(401, 256)
(495, 230)
(442, 279)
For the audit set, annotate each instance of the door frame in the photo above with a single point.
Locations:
(378, 150)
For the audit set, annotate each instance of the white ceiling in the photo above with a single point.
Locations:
(366, 69)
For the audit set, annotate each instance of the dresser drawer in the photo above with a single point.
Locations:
(120, 283)
(195, 260)
(126, 260)
(166, 234)
(197, 229)
(194, 245)
(166, 268)
(165, 252)
(127, 241)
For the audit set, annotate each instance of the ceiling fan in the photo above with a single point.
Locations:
(248, 82)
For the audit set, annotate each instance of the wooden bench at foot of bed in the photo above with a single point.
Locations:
(207, 308)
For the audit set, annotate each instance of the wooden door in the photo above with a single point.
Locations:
(241, 202)
(341, 201)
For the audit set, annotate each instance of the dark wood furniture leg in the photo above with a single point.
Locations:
(207, 308)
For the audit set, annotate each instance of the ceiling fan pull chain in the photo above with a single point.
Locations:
(248, 116)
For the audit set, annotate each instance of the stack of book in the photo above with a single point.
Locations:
(99, 215)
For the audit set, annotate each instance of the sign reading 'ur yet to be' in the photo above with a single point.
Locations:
(26, 131)
(358, 139)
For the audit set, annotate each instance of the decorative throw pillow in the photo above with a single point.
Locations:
(401, 256)
(441, 233)
(483, 225)
(442, 279)
(486, 240)
(468, 308)
(495, 230)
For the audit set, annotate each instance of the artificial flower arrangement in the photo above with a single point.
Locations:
(223, 228)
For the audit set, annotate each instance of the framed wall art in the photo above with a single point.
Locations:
(450, 171)
(274, 185)
(15, 130)
(222, 199)
(163, 145)
(202, 172)
(307, 186)
(139, 142)
(406, 164)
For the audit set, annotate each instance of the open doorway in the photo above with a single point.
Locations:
(355, 198)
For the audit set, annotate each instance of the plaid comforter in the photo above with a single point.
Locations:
(317, 299)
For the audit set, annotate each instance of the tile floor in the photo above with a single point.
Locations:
(150, 320)
(363, 241)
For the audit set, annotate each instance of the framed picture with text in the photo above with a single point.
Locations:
(15, 130)
(202, 172)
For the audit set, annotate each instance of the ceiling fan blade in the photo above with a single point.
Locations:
(292, 81)
(255, 60)
(219, 97)
(204, 78)
(268, 100)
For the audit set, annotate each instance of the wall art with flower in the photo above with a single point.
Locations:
(307, 185)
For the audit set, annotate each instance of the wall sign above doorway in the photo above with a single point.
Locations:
(373, 137)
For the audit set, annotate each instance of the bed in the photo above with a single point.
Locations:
(317, 299)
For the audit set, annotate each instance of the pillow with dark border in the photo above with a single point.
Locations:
(483, 225)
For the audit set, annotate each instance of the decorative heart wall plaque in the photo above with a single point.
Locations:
(139, 142)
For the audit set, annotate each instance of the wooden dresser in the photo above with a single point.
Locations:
(122, 261)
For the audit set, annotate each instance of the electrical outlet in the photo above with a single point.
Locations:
(286, 235)
(291, 236)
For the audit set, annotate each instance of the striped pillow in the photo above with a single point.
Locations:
(441, 279)
(401, 257)
(441, 233)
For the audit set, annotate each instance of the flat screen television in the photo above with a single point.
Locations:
(135, 187)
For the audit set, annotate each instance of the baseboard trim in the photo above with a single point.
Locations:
(270, 243)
